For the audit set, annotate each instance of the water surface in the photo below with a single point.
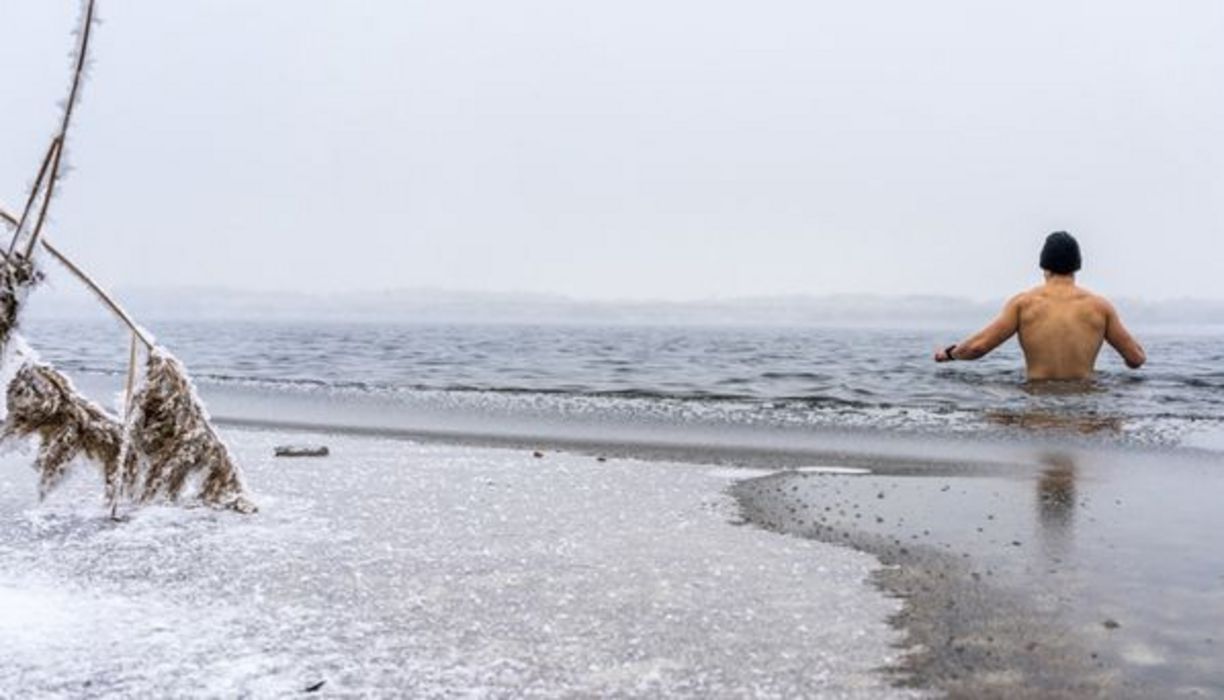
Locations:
(762, 377)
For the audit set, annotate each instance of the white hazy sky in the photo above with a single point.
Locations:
(630, 149)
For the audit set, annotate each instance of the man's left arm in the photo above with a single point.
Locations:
(992, 336)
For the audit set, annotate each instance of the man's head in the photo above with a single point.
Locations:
(1061, 254)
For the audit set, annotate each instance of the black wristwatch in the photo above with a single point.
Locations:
(948, 351)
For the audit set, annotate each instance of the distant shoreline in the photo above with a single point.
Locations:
(440, 306)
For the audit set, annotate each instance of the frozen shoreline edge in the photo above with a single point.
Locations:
(665, 499)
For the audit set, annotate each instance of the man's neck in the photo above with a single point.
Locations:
(1054, 280)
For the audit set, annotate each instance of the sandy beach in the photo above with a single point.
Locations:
(394, 568)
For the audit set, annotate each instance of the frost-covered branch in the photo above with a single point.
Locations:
(167, 438)
(139, 332)
(35, 190)
(56, 151)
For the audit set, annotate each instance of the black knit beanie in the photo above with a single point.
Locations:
(1061, 254)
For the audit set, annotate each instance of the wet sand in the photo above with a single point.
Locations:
(1071, 574)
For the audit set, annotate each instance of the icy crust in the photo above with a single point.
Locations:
(399, 570)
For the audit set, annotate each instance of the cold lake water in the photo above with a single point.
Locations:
(767, 378)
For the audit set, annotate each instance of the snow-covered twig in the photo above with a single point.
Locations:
(167, 436)
(35, 189)
(101, 293)
(109, 301)
(78, 73)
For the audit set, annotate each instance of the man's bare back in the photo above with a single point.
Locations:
(1061, 328)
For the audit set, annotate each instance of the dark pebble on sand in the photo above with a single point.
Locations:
(537, 454)
(315, 687)
(1015, 543)
(1111, 624)
(601, 459)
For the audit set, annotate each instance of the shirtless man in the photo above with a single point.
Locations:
(1061, 326)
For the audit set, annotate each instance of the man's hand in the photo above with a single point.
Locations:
(945, 354)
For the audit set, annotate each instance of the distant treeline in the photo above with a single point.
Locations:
(433, 306)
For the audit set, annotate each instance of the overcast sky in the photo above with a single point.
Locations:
(631, 149)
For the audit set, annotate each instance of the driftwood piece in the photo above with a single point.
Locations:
(301, 451)
(43, 402)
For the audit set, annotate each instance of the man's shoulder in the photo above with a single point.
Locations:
(1039, 300)
(1026, 296)
(1098, 301)
(1080, 294)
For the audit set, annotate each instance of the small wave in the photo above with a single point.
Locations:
(800, 376)
(825, 401)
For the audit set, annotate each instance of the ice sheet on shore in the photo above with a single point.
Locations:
(393, 568)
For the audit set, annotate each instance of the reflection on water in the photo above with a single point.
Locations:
(1056, 504)
(1062, 417)
(1061, 387)
(1048, 421)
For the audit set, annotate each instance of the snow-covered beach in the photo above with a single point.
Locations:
(395, 568)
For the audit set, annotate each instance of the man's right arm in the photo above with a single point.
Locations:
(1120, 339)
(992, 336)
